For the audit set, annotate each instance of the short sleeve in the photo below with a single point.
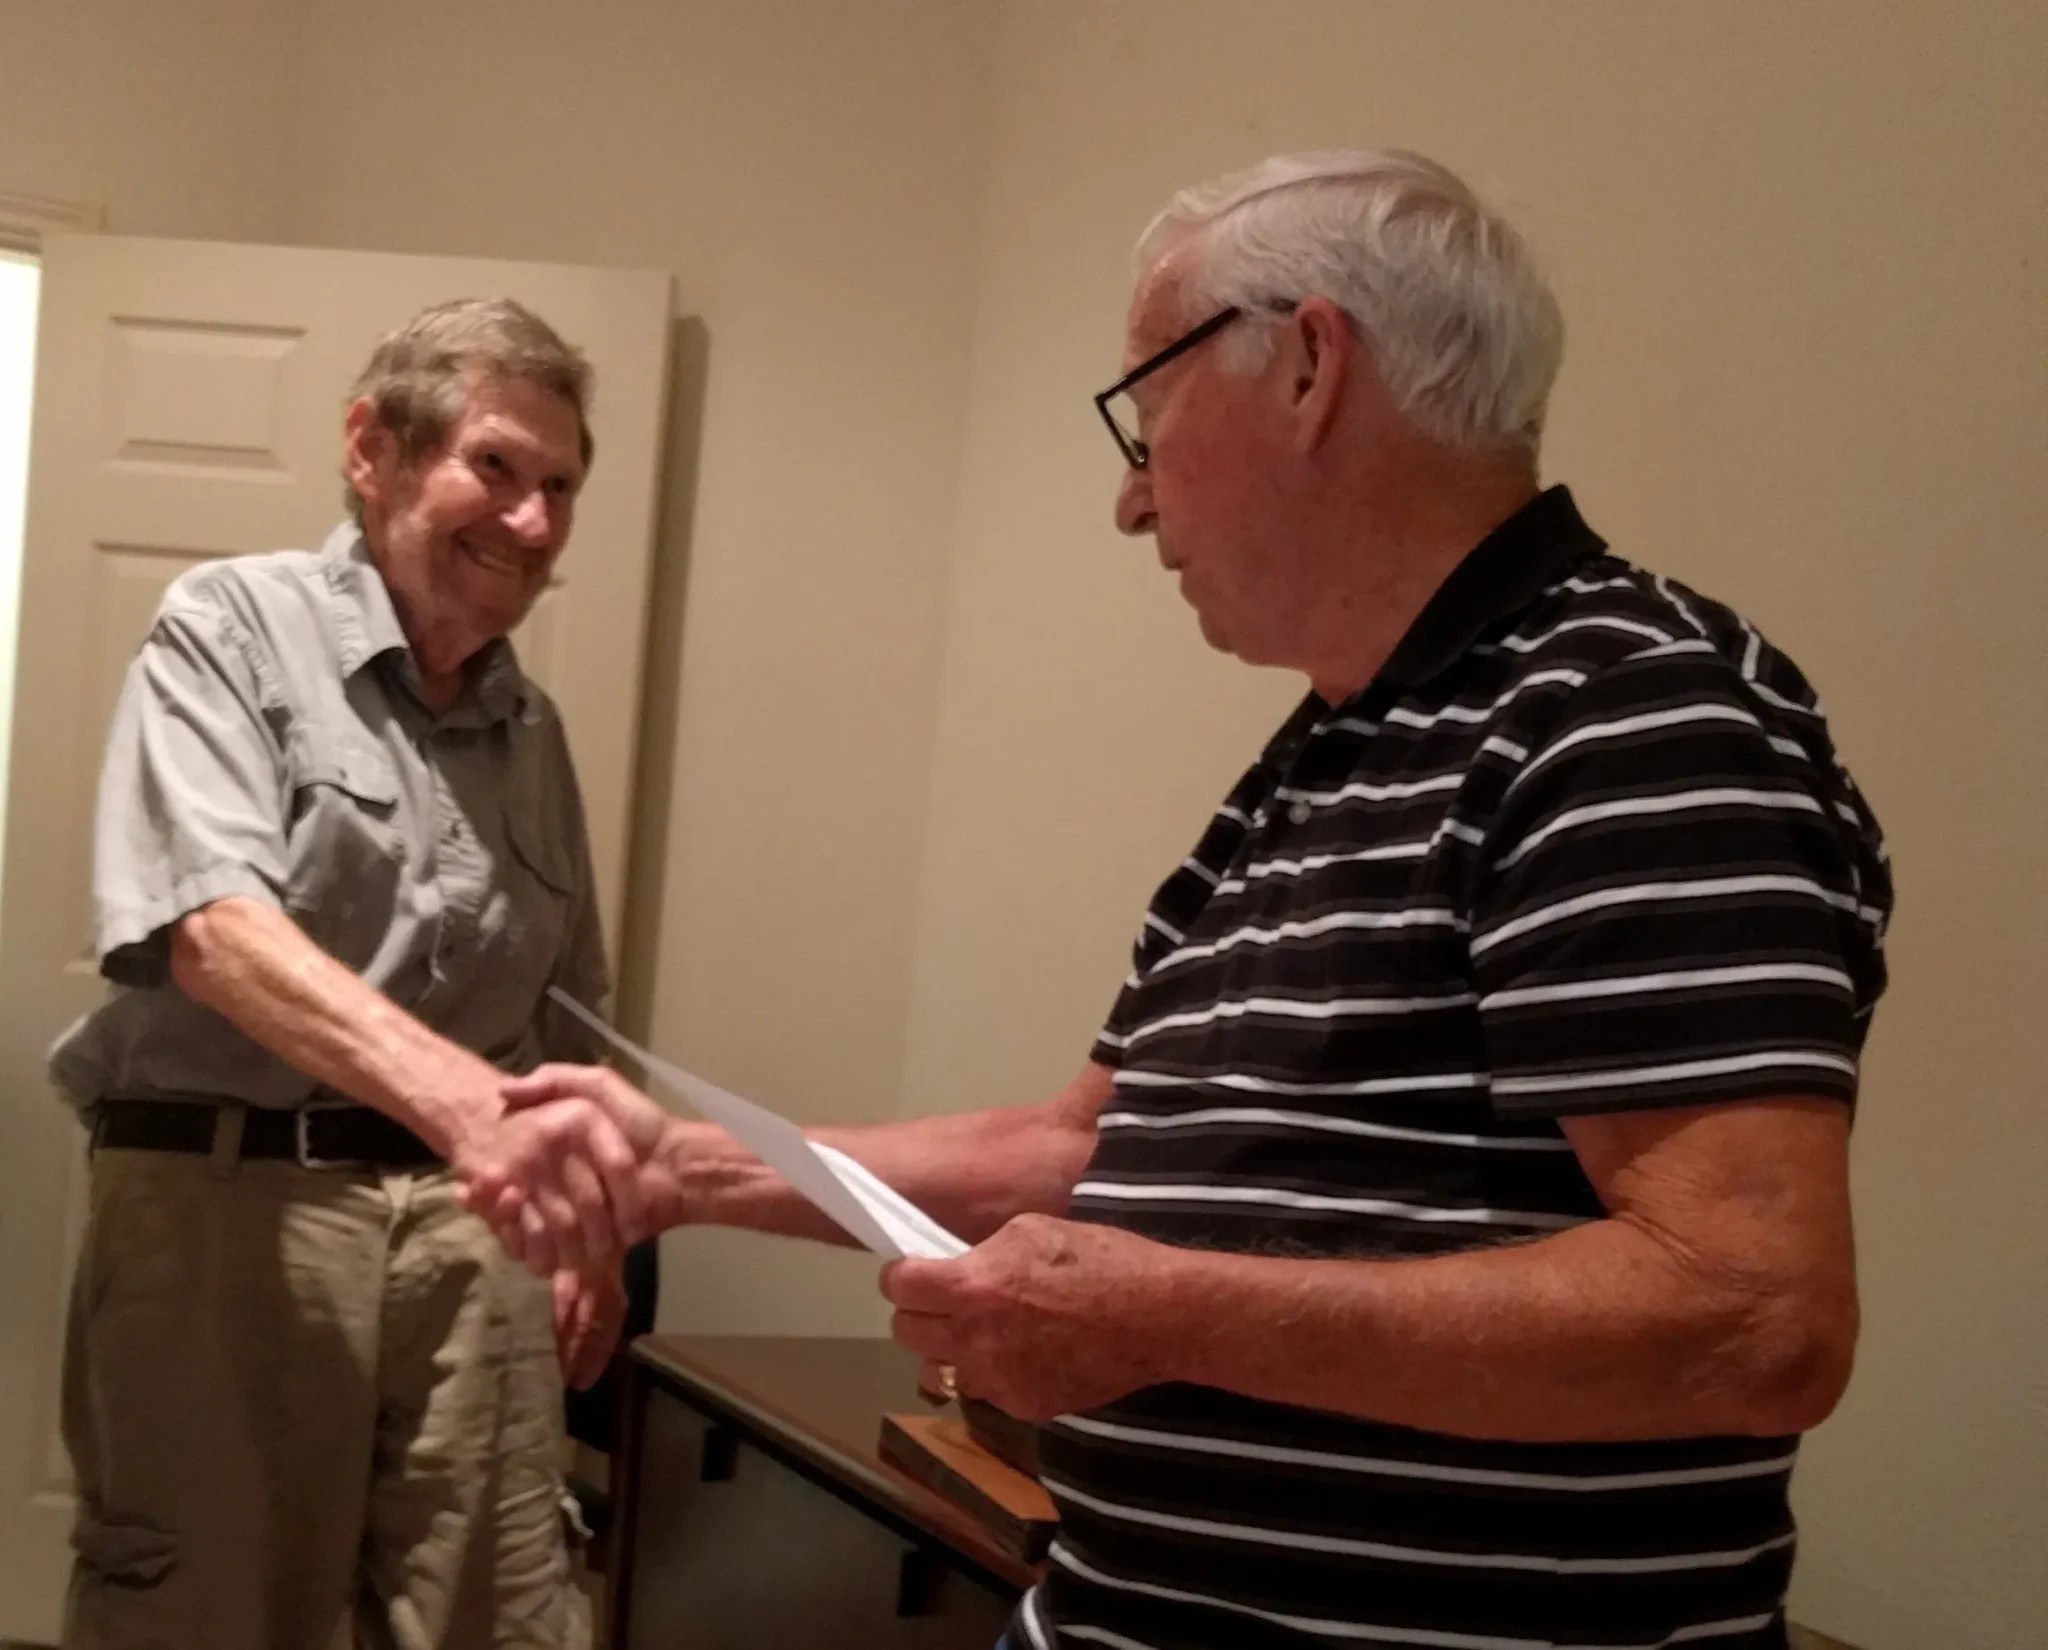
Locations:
(191, 792)
(1115, 1035)
(1681, 901)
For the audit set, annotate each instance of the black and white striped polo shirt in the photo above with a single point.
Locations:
(1584, 845)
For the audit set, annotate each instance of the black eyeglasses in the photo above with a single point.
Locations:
(1136, 453)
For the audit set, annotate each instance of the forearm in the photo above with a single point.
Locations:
(970, 1171)
(1601, 1332)
(256, 968)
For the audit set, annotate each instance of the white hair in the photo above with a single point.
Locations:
(1463, 329)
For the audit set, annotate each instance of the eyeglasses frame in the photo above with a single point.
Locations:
(1137, 454)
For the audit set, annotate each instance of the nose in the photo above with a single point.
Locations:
(532, 520)
(1134, 512)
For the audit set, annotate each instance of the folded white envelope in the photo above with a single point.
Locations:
(881, 1218)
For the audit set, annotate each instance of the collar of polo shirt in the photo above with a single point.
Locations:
(1504, 572)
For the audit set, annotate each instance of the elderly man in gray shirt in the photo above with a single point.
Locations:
(340, 857)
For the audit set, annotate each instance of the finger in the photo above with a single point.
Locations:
(928, 1337)
(619, 1171)
(505, 1211)
(939, 1382)
(921, 1285)
(536, 1245)
(575, 1358)
(640, 1119)
(583, 1312)
(585, 1193)
(554, 1082)
(503, 1218)
(485, 1193)
(564, 1226)
(551, 1174)
(592, 1339)
(599, 1339)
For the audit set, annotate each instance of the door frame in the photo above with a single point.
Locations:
(26, 219)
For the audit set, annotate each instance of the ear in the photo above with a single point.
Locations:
(1321, 356)
(369, 453)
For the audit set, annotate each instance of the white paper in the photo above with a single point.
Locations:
(880, 1217)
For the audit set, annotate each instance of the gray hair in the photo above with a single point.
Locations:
(419, 376)
(1464, 331)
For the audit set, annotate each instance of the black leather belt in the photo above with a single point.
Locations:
(336, 1134)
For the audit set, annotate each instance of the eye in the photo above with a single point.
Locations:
(492, 463)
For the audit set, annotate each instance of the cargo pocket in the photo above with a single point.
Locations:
(123, 1552)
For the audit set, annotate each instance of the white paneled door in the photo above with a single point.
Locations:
(188, 404)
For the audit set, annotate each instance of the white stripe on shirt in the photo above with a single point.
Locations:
(1268, 1117)
(1276, 1197)
(1678, 1071)
(1649, 893)
(1677, 979)
(1389, 1552)
(1203, 1443)
(1712, 796)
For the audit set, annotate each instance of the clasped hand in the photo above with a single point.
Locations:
(1046, 1317)
(572, 1172)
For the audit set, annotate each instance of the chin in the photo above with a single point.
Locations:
(486, 621)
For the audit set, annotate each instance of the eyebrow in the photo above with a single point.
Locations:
(492, 432)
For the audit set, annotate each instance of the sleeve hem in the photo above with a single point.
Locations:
(1764, 1085)
(134, 940)
(1106, 1054)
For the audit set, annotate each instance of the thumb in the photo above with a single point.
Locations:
(914, 1285)
(554, 1081)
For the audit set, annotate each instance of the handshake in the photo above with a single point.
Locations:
(580, 1166)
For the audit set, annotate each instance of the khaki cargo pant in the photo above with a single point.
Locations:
(308, 1408)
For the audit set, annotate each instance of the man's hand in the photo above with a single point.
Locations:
(590, 1308)
(573, 1171)
(1046, 1317)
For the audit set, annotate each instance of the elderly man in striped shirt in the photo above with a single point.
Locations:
(1447, 1237)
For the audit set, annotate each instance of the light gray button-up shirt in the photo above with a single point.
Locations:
(271, 743)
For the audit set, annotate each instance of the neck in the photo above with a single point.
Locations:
(439, 688)
(437, 658)
(1391, 554)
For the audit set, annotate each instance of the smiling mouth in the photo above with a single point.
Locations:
(507, 564)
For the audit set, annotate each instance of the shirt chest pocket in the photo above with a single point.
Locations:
(526, 921)
(345, 851)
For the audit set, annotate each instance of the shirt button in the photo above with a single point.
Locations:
(1298, 813)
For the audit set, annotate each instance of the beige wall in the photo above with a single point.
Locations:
(1800, 251)
(939, 730)
(170, 116)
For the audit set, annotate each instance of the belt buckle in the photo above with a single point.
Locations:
(302, 1141)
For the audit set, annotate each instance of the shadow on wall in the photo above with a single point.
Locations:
(661, 682)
